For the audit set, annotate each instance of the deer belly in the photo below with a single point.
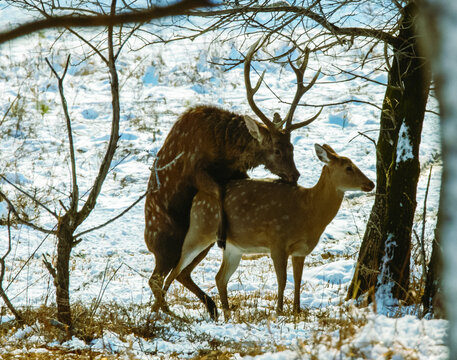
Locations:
(301, 248)
(249, 242)
(247, 249)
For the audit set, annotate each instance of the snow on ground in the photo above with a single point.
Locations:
(113, 264)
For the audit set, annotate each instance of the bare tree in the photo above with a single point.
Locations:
(80, 206)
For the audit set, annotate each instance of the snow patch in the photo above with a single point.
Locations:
(404, 145)
(89, 114)
(384, 298)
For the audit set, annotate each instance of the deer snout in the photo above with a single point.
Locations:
(368, 186)
(292, 177)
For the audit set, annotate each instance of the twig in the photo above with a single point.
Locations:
(122, 213)
(365, 135)
(32, 255)
(103, 287)
(5, 298)
(49, 266)
(156, 169)
(422, 238)
(30, 197)
(60, 79)
(21, 220)
(126, 210)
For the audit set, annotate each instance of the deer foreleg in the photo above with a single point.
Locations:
(279, 257)
(204, 182)
(297, 265)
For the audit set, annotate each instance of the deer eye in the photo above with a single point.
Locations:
(277, 152)
(349, 169)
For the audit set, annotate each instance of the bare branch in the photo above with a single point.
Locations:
(75, 191)
(49, 266)
(139, 16)
(306, 12)
(32, 255)
(122, 213)
(114, 136)
(30, 197)
(3, 295)
(366, 136)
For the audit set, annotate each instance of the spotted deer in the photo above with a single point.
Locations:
(271, 217)
(206, 148)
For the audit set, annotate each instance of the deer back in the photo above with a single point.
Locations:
(264, 214)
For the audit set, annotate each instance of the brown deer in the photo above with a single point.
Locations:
(271, 217)
(205, 149)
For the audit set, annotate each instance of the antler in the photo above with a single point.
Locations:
(250, 92)
(301, 90)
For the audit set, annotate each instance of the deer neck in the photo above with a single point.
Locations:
(253, 154)
(327, 198)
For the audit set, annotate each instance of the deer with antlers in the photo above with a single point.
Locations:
(206, 148)
(271, 217)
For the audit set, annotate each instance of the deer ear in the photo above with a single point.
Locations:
(322, 153)
(253, 128)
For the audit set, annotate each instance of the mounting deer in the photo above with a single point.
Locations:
(205, 149)
(271, 217)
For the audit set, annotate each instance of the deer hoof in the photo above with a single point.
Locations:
(227, 314)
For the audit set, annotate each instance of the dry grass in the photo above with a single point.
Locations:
(330, 327)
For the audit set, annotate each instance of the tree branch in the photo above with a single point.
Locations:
(75, 191)
(302, 11)
(30, 197)
(139, 16)
(20, 219)
(3, 295)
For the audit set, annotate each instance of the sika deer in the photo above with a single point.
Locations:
(205, 149)
(271, 217)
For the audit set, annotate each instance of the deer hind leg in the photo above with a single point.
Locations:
(297, 264)
(194, 249)
(166, 257)
(230, 262)
(205, 183)
(156, 283)
(222, 227)
(185, 278)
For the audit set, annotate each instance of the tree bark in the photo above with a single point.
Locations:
(440, 20)
(62, 280)
(432, 298)
(386, 246)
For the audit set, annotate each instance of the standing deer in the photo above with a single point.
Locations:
(205, 149)
(271, 217)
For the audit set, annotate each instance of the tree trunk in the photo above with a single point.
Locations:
(440, 16)
(432, 298)
(385, 251)
(62, 280)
